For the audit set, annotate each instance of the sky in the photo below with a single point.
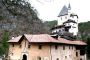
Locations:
(48, 10)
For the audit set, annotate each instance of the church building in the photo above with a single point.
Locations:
(67, 22)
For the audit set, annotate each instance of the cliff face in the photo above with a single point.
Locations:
(18, 17)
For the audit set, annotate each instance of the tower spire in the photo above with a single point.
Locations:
(69, 7)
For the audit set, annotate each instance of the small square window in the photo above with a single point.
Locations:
(65, 57)
(12, 54)
(80, 58)
(65, 17)
(61, 18)
(39, 58)
(20, 46)
(72, 47)
(77, 54)
(40, 47)
(69, 47)
(29, 45)
(63, 47)
(56, 47)
(12, 45)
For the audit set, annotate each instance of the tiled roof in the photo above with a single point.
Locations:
(64, 11)
(16, 39)
(79, 43)
(61, 40)
(45, 38)
(40, 38)
(71, 42)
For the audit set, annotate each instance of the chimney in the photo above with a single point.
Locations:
(13, 37)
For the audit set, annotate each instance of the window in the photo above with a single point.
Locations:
(40, 47)
(76, 53)
(12, 54)
(59, 30)
(65, 57)
(65, 17)
(72, 47)
(20, 46)
(57, 59)
(61, 18)
(63, 47)
(80, 58)
(72, 16)
(39, 58)
(56, 47)
(69, 47)
(29, 45)
(12, 45)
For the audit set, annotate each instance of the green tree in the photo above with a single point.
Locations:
(4, 44)
(51, 23)
(84, 30)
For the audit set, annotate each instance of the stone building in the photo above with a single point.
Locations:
(45, 47)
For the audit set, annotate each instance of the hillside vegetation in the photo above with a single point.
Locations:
(51, 24)
(18, 17)
(84, 29)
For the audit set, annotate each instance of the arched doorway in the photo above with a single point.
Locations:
(24, 57)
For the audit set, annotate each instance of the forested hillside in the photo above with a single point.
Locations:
(51, 24)
(84, 29)
(18, 17)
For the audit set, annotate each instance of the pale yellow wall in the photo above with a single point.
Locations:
(33, 52)
(60, 53)
(46, 53)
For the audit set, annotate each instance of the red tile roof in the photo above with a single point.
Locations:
(16, 39)
(40, 38)
(44, 38)
(62, 40)
(71, 42)
(79, 43)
